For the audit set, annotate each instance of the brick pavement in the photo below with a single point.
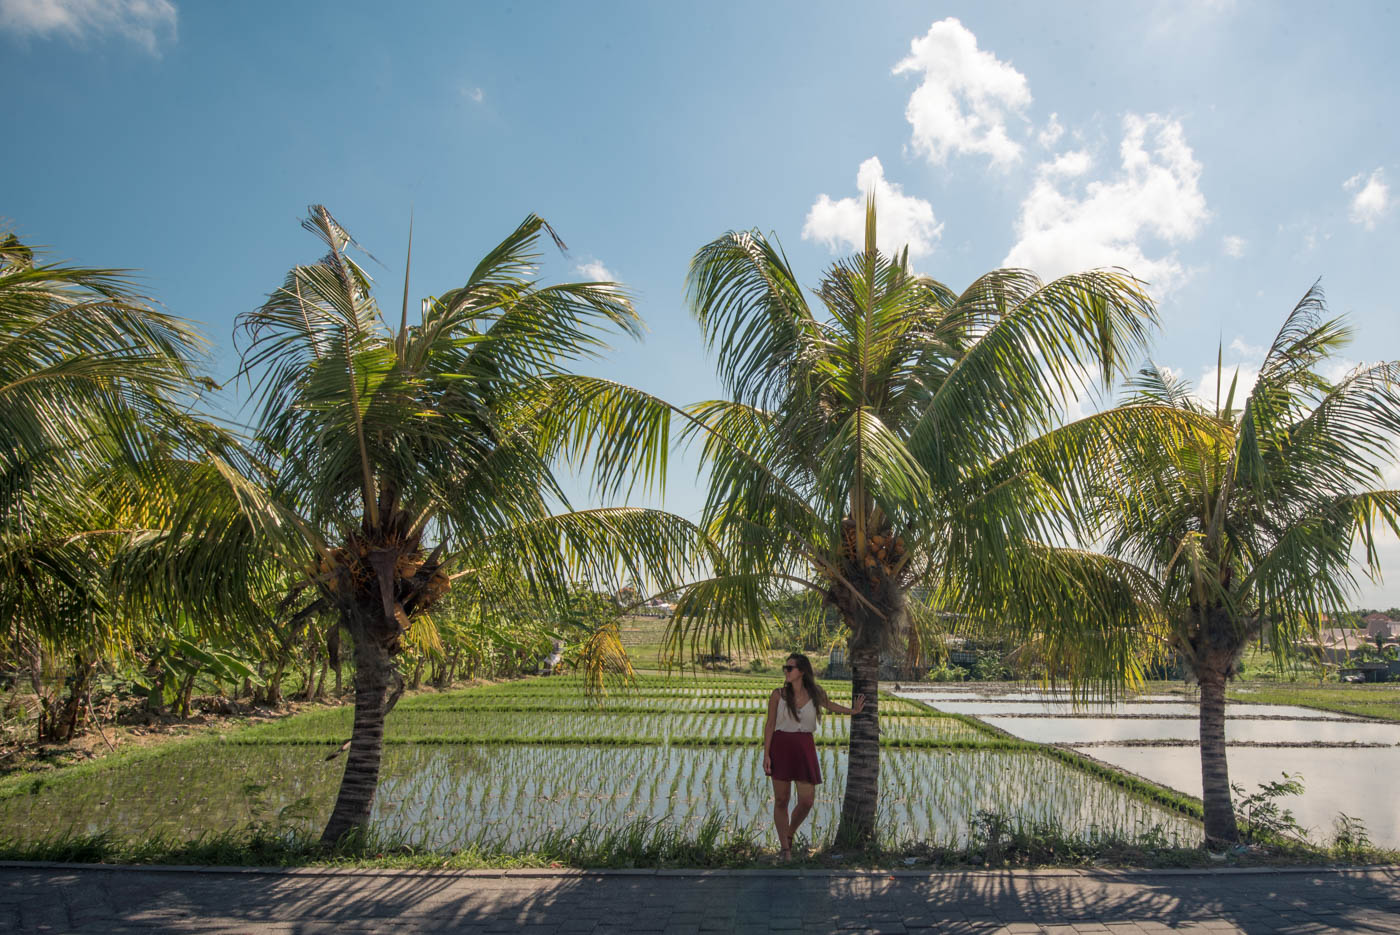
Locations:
(73, 899)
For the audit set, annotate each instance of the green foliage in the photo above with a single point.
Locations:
(1350, 838)
(1261, 817)
(115, 501)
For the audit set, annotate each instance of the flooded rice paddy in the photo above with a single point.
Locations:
(1101, 730)
(506, 766)
(1359, 781)
(1118, 709)
(449, 796)
(1347, 764)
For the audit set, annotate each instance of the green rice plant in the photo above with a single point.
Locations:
(449, 797)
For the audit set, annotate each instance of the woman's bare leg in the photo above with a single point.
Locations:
(782, 793)
(806, 796)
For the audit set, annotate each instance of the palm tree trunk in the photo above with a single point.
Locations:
(69, 720)
(361, 779)
(857, 827)
(1215, 774)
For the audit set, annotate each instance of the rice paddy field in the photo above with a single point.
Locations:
(1347, 762)
(504, 767)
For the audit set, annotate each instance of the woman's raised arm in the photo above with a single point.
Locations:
(857, 703)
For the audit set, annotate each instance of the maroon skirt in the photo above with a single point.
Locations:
(794, 755)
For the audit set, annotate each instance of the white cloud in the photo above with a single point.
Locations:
(1068, 165)
(1153, 194)
(476, 94)
(1248, 351)
(1234, 246)
(1049, 136)
(1338, 368)
(595, 271)
(903, 219)
(964, 99)
(1372, 198)
(146, 22)
(1243, 374)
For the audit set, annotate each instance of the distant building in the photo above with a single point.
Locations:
(1336, 644)
(1379, 624)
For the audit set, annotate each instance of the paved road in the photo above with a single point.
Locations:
(109, 900)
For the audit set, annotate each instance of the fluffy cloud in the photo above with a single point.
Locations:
(1244, 375)
(1067, 225)
(962, 103)
(1234, 246)
(904, 219)
(595, 271)
(146, 22)
(1052, 132)
(1372, 198)
(1248, 351)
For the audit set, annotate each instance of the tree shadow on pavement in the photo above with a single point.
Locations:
(317, 901)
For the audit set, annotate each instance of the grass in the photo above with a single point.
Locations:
(619, 766)
(644, 639)
(462, 767)
(993, 841)
(1377, 701)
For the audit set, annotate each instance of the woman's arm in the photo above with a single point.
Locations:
(857, 703)
(768, 732)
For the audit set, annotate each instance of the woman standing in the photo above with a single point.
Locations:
(789, 752)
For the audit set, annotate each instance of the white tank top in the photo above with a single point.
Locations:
(804, 723)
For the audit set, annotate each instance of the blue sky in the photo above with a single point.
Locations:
(1229, 152)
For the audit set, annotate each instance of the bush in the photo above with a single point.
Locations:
(947, 673)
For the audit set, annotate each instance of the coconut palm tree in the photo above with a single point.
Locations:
(899, 448)
(95, 391)
(1246, 526)
(408, 458)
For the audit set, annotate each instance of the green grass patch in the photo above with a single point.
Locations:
(717, 842)
(1377, 701)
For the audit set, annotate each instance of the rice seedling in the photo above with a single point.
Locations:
(533, 767)
(455, 796)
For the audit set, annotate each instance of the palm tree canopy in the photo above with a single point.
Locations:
(1258, 511)
(99, 451)
(452, 422)
(898, 433)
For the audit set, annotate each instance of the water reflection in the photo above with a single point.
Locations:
(448, 796)
(1338, 778)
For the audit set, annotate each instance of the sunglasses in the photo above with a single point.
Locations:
(789, 668)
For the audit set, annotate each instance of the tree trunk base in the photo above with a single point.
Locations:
(861, 803)
(357, 788)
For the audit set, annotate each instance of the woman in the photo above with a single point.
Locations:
(789, 753)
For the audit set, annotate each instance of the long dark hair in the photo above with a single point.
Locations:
(809, 682)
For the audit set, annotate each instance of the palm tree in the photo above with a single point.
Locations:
(95, 391)
(408, 458)
(1246, 525)
(902, 454)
